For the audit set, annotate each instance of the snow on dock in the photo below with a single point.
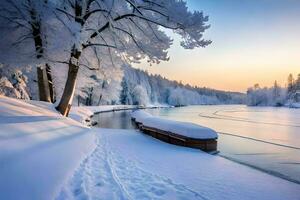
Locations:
(181, 128)
(176, 132)
(139, 116)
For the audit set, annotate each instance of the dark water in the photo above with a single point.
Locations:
(264, 138)
(115, 120)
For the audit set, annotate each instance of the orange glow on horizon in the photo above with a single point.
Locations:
(253, 42)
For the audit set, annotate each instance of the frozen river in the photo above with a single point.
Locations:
(265, 138)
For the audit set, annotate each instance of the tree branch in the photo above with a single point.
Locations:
(97, 44)
(132, 15)
(87, 15)
(90, 68)
(65, 12)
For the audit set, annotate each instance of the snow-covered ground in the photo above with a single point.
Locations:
(294, 105)
(39, 149)
(46, 156)
(129, 165)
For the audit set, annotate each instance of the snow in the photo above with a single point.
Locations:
(181, 128)
(107, 108)
(46, 156)
(82, 114)
(140, 116)
(7, 89)
(294, 105)
(129, 165)
(39, 149)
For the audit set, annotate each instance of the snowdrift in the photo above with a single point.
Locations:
(39, 149)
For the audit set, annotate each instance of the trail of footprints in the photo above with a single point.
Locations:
(107, 175)
(93, 180)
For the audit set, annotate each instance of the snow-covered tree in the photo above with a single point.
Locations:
(297, 92)
(24, 36)
(139, 96)
(13, 83)
(293, 90)
(297, 83)
(176, 98)
(278, 96)
(273, 96)
(129, 29)
(105, 78)
(291, 85)
(125, 95)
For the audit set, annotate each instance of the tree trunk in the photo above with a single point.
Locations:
(100, 98)
(65, 103)
(44, 93)
(50, 83)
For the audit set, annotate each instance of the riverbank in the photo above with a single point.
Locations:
(83, 114)
(46, 156)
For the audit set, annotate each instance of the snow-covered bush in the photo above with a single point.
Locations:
(13, 83)
(19, 82)
(176, 97)
(7, 89)
(140, 96)
(273, 96)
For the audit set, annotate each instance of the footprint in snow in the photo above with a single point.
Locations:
(105, 174)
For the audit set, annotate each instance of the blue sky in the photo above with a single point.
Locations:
(254, 41)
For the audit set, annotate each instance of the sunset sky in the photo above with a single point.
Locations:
(254, 41)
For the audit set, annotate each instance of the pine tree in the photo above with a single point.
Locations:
(276, 100)
(297, 92)
(290, 86)
(297, 84)
(275, 90)
(125, 96)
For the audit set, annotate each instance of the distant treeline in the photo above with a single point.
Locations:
(276, 95)
(141, 88)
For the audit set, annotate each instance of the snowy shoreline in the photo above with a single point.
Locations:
(83, 114)
(270, 172)
(46, 156)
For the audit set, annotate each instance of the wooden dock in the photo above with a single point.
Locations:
(207, 145)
